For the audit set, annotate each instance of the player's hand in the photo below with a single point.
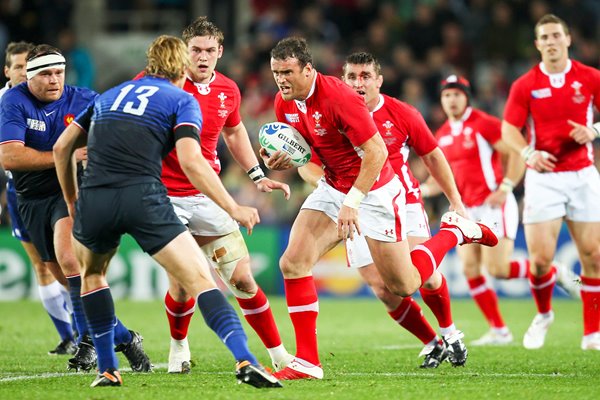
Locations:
(81, 154)
(347, 225)
(267, 185)
(541, 161)
(581, 133)
(246, 216)
(277, 161)
(496, 199)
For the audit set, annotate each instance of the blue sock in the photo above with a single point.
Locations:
(100, 313)
(54, 303)
(122, 334)
(220, 316)
(78, 314)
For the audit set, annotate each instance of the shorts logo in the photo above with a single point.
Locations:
(541, 93)
(389, 232)
(36, 125)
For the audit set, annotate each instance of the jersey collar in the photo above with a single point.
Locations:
(379, 104)
(566, 70)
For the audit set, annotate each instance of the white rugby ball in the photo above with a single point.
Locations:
(276, 136)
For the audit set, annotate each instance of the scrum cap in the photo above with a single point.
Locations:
(456, 82)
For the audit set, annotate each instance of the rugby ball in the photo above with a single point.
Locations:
(277, 136)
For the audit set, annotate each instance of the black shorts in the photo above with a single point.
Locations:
(144, 211)
(39, 217)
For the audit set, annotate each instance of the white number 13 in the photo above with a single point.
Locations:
(130, 108)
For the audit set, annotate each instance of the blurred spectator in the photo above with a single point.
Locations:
(80, 65)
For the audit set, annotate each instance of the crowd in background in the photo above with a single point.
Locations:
(417, 42)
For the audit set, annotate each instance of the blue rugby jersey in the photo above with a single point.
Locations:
(25, 119)
(130, 130)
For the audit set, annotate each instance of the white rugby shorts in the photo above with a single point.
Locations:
(503, 221)
(381, 215)
(417, 225)
(202, 216)
(574, 195)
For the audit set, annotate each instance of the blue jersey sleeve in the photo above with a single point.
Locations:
(13, 124)
(188, 113)
(84, 118)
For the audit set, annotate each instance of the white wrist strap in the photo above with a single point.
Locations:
(353, 198)
(596, 128)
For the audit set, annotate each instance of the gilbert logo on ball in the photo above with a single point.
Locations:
(278, 136)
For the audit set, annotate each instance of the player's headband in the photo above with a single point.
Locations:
(456, 82)
(44, 62)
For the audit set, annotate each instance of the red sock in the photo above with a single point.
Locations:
(258, 313)
(487, 301)
(410, 316)
(438, 301)
(541, 289)
(518, 269)
(303, 306)
(427, 256)
(179, 316)
(590, 296)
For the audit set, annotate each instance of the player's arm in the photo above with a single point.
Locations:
(15, 156)
(374, 156)
(204, 178)
(311, 173)
(541, 161)
(237, 141)
(442, 179)
(69, 141)
(582, 134)
(514, 170)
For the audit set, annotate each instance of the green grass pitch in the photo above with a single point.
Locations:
(365, 355)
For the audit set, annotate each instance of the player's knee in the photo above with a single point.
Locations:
(498, 269)
(540, 264)
(471, 270)
(403, 287)
(384, 295)
(294, 266)
(226, 253)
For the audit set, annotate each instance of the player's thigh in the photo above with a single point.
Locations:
(393, 261)
(185, 262)
(470, 257)
(586, 236)
(496, 259)
(313, 234)
(541, 241)
(203, 217)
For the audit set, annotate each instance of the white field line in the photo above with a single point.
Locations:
(159, 367)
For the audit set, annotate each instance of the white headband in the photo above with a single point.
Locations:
(44, 62)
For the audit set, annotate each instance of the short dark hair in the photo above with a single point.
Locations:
(292, 47)
(42, 50)
(363, 58)
(551, 19)
(16, 48)
(202, 27)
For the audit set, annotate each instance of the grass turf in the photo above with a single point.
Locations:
(365, 355)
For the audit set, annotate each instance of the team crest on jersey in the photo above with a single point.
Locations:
(578, 98)
(68, 119)
(468, 142)
(36, 125)
(222, 97)
(541, 93)
(319, 130)
(387, 125)
(292, 118)
(203, 88)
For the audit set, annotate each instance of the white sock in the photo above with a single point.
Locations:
(54, 302)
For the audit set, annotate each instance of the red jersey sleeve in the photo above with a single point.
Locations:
(352, 115)
(420, 137)
(516, 110)
(491, 129)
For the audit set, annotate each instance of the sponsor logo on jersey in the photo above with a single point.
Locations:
(292, 118)
(445, 141)
(541, 93)
(223, 113)
(36, 125)
(578, 98)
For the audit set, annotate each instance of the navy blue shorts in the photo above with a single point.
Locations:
(39, 217)
(16, 223)
(144, 211)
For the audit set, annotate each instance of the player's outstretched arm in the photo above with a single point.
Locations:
(311, 173)
(15, 156)
(66, 169)
(204, 178)
(539, 160)
(514, 171)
